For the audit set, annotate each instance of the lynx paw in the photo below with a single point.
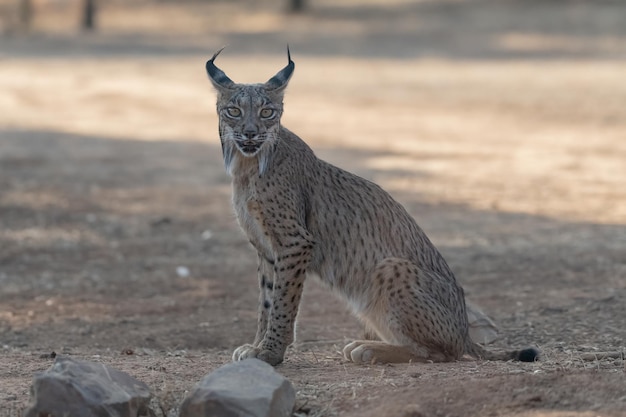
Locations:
(249, 351)
(359, 352)
(370, 352)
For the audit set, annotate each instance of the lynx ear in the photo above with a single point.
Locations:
(216, 75)
(279, 81)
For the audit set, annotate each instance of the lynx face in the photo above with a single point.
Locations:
(250, 118)
(249, 114)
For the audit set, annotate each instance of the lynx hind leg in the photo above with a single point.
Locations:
(370, 333)
(372, 351)
(419, 315)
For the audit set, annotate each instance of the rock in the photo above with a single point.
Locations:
(86, 389)
(481, 328)
(413, 410)
(250, 388)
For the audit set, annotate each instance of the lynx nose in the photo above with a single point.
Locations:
(250, 133)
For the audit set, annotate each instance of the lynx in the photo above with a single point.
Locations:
(305, 217)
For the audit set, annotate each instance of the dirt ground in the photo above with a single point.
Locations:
(500, 125)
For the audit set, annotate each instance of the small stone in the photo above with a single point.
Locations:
(87, 389)
(50, 355)
(182, 271)
(249, 388)
(412, 410)
(178, 353)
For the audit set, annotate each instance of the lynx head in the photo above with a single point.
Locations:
(249, 114)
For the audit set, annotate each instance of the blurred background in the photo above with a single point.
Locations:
(470, 29)
(499, 124)
(516, 78)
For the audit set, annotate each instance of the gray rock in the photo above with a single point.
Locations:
(86, 389)
(481, 328)
(250, 388)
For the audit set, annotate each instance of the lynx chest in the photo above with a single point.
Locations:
(251, 216)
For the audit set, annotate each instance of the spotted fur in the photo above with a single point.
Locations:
(306, 216)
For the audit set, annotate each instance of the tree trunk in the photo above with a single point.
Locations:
(297, 5)
(25, 14)
(89, 15)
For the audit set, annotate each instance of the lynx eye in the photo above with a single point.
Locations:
(267, 113)
(233, 112)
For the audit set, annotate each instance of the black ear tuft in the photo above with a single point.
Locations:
(528, 355)
(217, 76)
(280, 80)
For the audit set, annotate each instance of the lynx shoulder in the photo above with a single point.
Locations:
(306, 216)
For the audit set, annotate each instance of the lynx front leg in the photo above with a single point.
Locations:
(276, 327)
(293, 249)
(266, 285)
(266, 289)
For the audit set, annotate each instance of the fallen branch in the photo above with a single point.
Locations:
(602, 355)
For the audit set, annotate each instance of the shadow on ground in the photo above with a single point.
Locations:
(93, 230)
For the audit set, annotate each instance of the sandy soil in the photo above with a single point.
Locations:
(501, 125)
